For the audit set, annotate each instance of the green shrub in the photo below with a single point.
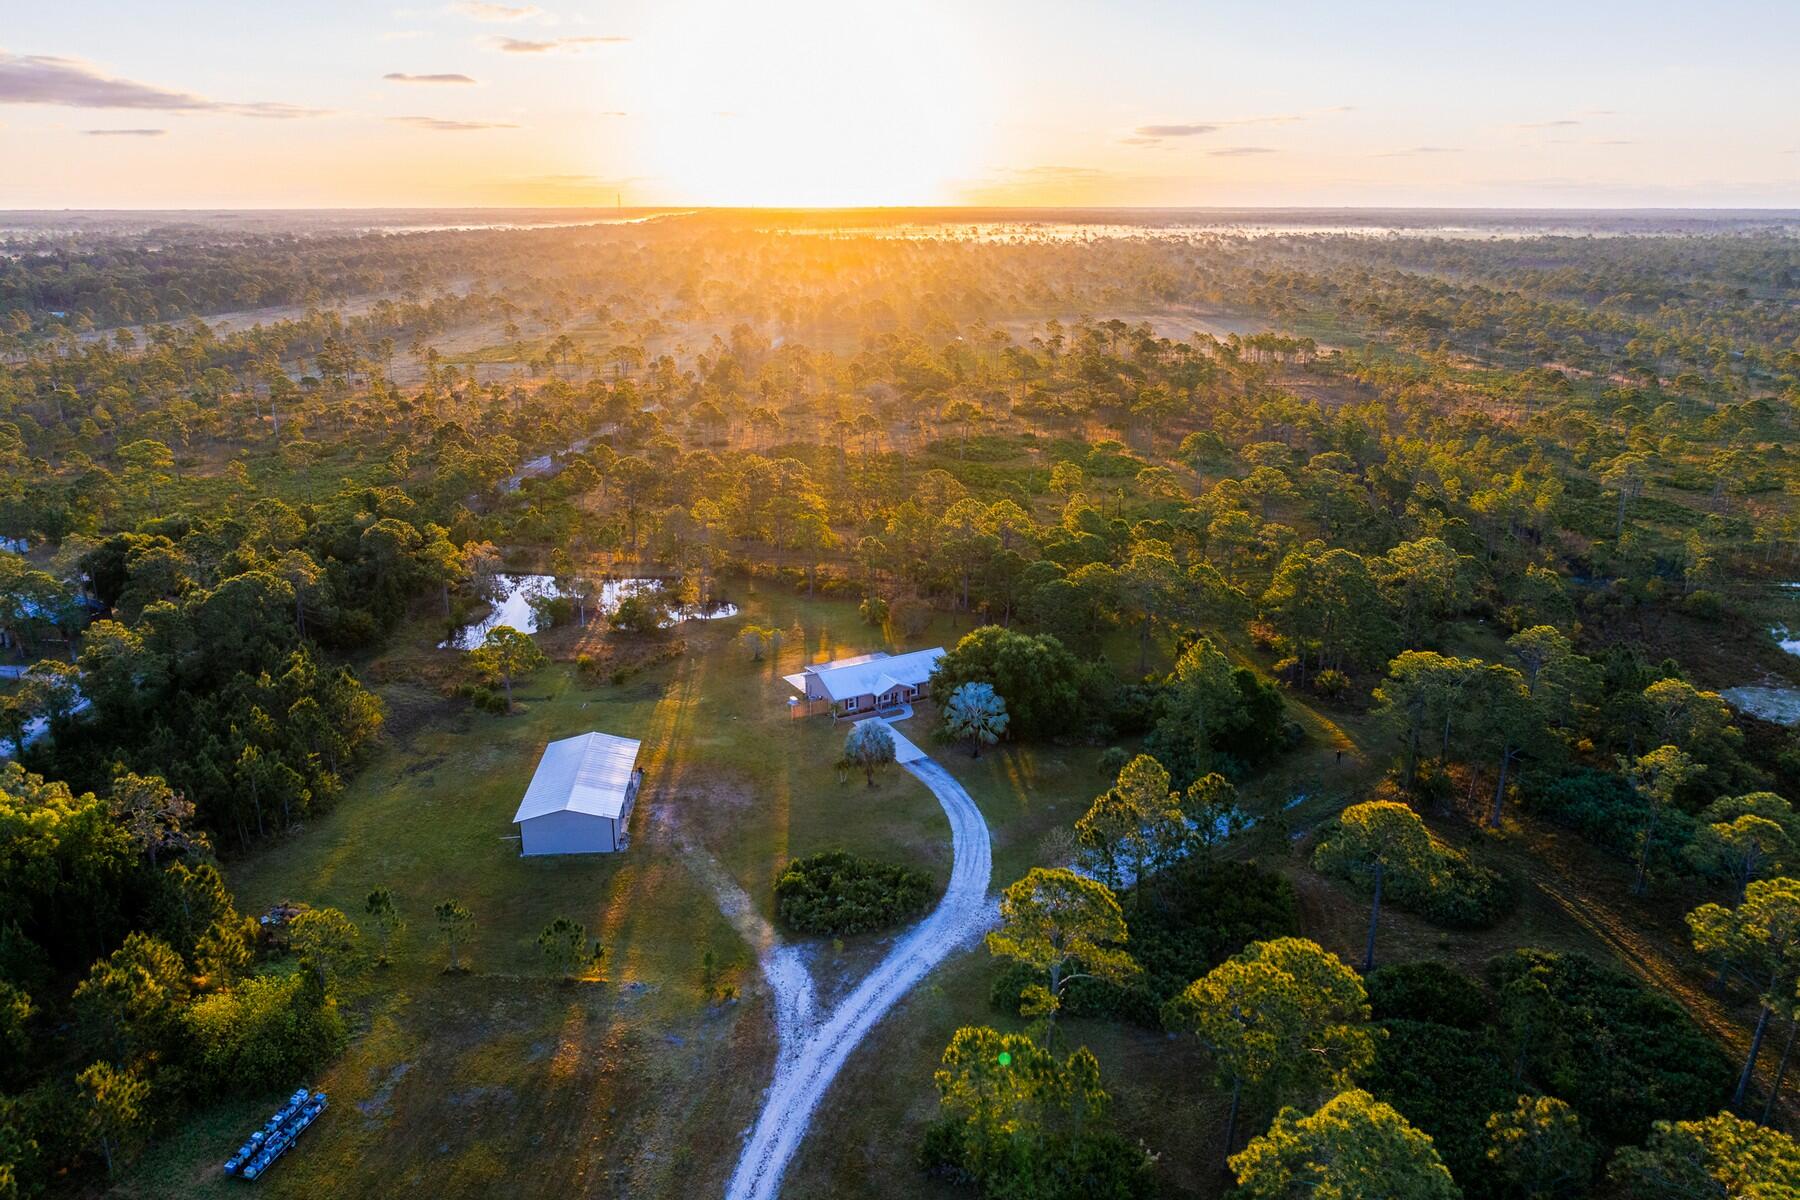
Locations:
(1446, 1081)
(1604, 809)
(265, 1032)
(1621, 1055)
(839, 893)
(553, 611)
(1192, 919)
(1447, 887)
(1036, 1130)
(1427, 991)
(1456, 893)
(1330, 684)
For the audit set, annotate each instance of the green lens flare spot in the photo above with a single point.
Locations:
(1005, 1059)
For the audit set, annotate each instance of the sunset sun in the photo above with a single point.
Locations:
(810, 102)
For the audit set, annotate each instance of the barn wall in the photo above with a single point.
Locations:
(567, 833)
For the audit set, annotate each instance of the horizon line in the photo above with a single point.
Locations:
(878, 208)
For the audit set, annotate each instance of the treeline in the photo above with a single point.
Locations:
(210, 670)
(131, 989)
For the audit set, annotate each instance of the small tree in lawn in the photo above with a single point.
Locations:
(1353, 1146)
(1760, 939)
(506, 653)
(712, 978)
(1371, 841)
(454, 922)
(565, 944)
(1052, 918)
(386, 916)
(326, 942)
(1538, 1148)
(114, 1100)
(869, 746)
(975, 713)
(759, 639)
(1284, 1018)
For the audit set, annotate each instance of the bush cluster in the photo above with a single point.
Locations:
(1619, 1054)
(839, 893)
(1560, 1025)
(267, 1032)
(1605, 810)
(482, 696)
(1456, 893)
(1065, 1166)
(1427, 991)
(1190, 919)
(1445, 886)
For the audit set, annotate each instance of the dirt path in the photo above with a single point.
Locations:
(784, 967)
(813, 1052)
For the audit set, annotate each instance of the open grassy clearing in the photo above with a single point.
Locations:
(627, 1086)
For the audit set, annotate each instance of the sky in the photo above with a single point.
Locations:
(330, 103)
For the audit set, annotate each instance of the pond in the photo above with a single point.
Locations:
(516, 592)
(1778, 704)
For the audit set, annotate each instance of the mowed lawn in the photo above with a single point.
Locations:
(458, 1084)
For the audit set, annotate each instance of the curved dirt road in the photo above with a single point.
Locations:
(811, 1057)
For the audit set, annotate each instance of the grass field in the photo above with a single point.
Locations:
(633, 1084)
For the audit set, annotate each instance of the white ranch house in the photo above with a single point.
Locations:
(580, 797)
(868, 683)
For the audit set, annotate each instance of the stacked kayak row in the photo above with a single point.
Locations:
(270, 1142)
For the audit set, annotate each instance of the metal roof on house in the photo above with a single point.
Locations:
(872, 675)
(589, 773)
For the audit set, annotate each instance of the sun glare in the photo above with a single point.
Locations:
(813, 103)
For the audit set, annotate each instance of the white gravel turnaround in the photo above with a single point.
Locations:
(811, 1053)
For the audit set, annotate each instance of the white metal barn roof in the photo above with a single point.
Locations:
(589, 773)
(873, 675)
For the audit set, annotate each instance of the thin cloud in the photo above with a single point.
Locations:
(1152, 132)
(1560, 124)
(1150, 135)
(1421, 150)
(72, 83)
(512, 45)
(440, 125)
(444, 77)
(495, 12)
(1240, 151)
(125, 132)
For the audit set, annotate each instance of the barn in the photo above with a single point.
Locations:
(580, 797)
